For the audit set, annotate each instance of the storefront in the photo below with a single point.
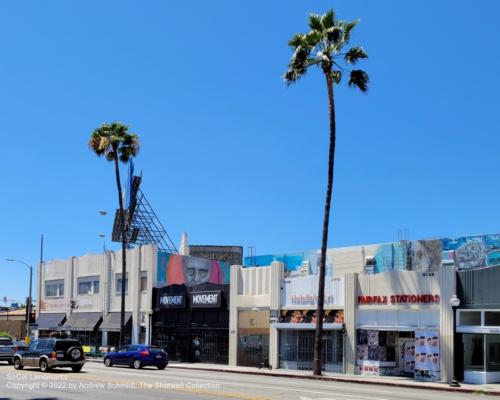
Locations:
(192, 324)
(402, 323)
(296, 323)
(49, 322)
(84, 327)
(110, 327)
(478, 326)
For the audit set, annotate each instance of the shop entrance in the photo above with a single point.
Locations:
(385, 352)
(253, 337)
(296, 350)
(210, 345)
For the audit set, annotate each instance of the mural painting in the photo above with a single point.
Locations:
(174, 269)
(466, 253)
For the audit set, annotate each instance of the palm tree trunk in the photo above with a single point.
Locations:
(317, 362)
(124, 251)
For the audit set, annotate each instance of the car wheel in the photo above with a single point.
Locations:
(107, 362)
(161, 366)
(44, 366)
(10, 362)
(77, 368)
(18, 364)
(74, 353)
(137, 364)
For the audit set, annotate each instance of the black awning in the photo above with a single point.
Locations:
(50, 321)
(83, 321)
(111, 322)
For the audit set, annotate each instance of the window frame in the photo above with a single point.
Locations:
(90, 280)
(118, 287)
(57, 283)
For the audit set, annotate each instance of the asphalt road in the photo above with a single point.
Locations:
(120, 383)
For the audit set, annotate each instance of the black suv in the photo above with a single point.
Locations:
(51, 353)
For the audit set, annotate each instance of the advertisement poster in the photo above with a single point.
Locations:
(427, 356)
(376, 352)
(309, 316)
(407, 356)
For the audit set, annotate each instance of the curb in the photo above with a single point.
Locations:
(337, 379)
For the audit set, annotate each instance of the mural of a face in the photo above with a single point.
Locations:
(197, 270)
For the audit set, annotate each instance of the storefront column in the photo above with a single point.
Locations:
(233, 314)
(104, 340)
(277, 272)
(447, 280)
(350, 323)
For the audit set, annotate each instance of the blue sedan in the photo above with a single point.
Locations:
(137, 356)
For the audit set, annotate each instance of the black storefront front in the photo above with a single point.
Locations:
(192, 323)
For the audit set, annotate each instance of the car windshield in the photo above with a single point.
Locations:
(66, 344)
(5, 342)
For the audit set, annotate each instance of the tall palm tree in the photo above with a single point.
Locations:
(324, 46)
(114, 142)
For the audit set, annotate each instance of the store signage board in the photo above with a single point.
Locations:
(301, 292)
(399, 299)
(171, 300)
(206, 299)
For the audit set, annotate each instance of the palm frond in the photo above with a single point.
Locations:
(328, 19)
(315, 22)
(312, 39)
(348, 27)
(334, 35)
(297, 40)
(360, 79)
(336, 76)
(354, 54)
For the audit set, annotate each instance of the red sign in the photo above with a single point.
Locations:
(400, 299)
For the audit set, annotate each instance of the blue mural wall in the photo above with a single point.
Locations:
(468, 252)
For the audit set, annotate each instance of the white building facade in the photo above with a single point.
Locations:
(82, 295)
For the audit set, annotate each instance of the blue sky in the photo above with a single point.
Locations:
(229, 154)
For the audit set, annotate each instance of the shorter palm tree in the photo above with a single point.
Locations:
(114, 142)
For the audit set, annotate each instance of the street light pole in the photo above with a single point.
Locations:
(454, 303)
(30, 299)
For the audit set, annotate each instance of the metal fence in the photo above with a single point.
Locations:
(296, 350)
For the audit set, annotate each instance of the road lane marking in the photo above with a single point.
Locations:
(236, 384)
(83, 377)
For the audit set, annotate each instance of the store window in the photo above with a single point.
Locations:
(118, 283)
(470, 318)
(54, 288)
(473, 351)
(296, 350)
(493, 353)
(88, 285)
(492, 318)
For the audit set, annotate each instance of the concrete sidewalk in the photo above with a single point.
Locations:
(490, 389)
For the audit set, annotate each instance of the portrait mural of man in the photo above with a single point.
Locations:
(174, 269)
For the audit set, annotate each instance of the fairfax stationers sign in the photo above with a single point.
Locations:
(400, 299)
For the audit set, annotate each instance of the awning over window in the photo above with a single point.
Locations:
(111, 322)
(50, 321)
(84, 321)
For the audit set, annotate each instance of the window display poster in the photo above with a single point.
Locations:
(407, 356)
(376, 348)
(427, 365)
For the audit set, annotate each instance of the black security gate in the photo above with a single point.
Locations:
(210, 345)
